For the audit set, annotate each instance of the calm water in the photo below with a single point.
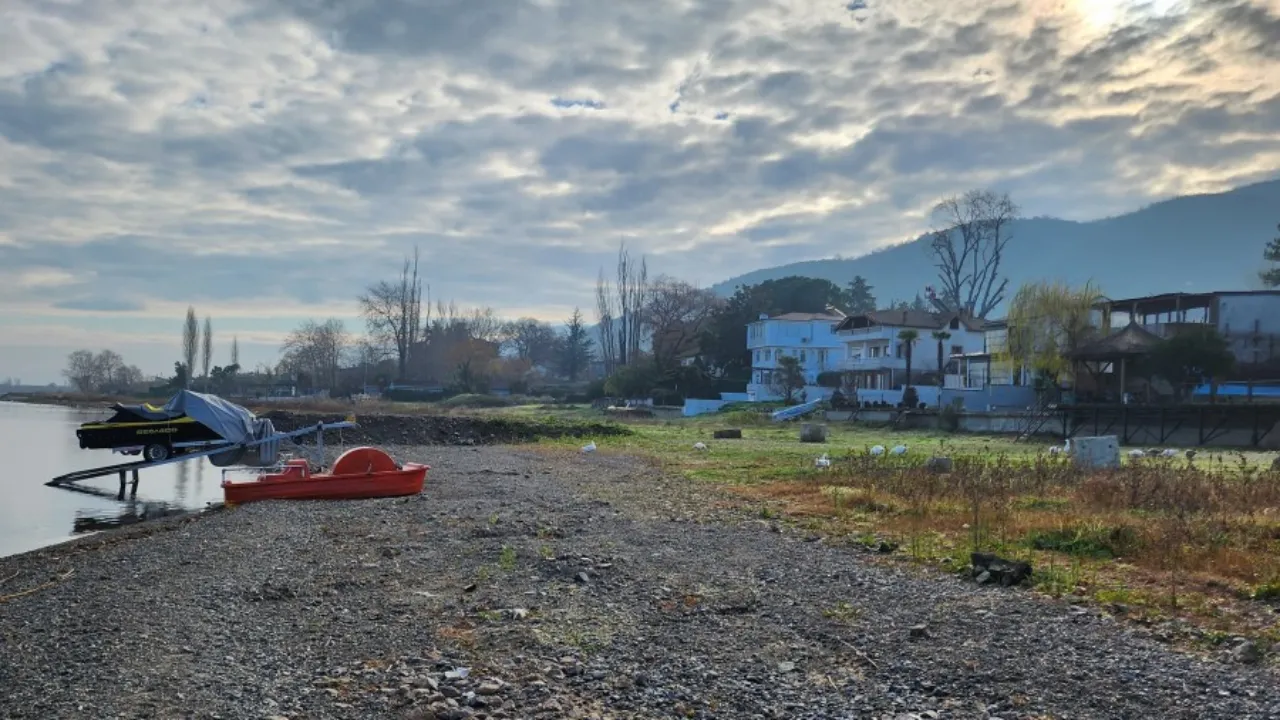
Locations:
(38, 443)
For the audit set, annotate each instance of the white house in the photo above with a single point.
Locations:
(984, 367)
(808, 337)
(876, 355)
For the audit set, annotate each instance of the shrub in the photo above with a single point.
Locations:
(910, 397)
(949, 417)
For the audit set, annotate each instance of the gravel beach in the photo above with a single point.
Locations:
(537, 584)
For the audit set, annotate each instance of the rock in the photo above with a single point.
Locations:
(918, 631)
(813, 433)
(996, 569)
(727, 434)
(1247, 653)
(786, 667)
(489, 688)
(938, 464)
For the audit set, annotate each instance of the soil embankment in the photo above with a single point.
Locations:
(384, 429)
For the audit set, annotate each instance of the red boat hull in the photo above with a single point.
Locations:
(358, 474)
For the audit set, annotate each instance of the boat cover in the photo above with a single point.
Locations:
(232, 422)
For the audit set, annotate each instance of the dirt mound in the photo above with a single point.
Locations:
(445, 429)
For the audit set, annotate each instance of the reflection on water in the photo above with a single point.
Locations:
(39, 443)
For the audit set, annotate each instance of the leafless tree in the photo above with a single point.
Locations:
(97, 373)
(392, 312)
(316, 349)
(533, 340)
(676, 314)
(604, 324)
(968, 249)
(190, 343)
(206, 350)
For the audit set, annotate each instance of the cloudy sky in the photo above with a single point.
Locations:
(262, 160)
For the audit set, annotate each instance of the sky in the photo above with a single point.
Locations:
(263, 161)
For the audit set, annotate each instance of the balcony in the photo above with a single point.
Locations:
(884, 362)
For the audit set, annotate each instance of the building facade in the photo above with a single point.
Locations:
(1248, 319)
(807, 337)
(876, 354)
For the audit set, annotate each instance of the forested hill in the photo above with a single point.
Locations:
(1193, 243)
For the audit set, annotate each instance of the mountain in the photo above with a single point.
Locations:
(1195, 243)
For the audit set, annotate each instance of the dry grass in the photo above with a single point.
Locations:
(1164, 536)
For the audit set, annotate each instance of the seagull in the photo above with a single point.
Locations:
(589, 447)
(699, 446)
(876, 450)
(898, 450)
(1064, 449)
(1135, 454)
(1168, 453)
(822, 462)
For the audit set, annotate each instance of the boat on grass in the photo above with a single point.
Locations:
(359, 473)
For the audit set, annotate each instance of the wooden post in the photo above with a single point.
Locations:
(120, 495)
(1124, 427)
(133, 490)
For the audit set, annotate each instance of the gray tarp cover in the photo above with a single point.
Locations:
(229, 420)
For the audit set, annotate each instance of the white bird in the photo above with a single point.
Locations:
(876, 450)
(822, 462)
(898, 450)
(1168, 453)
(1136, 454)
(589, 447)
(1065, 448)
(699, 446)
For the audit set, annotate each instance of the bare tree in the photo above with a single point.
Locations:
(632, 290)
(676, 313)
(969, 248)
(101, 372)
(604, 324)
(533, 340)
(206, 350)
(316, 349)
(190, 343)
(81, 370)
(393, 312)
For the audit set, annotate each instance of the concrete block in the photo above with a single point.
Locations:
(1096, 453)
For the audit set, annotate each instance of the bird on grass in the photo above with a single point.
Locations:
(898, 450)
(822, 462)
(1136, 454)
(1169, 453)
(589, 447)
(1064, 449)
(876, 450)
(700, 446)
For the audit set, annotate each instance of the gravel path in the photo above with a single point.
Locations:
(620, 594)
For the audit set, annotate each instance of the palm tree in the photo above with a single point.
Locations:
(908, 338)
(941, 336)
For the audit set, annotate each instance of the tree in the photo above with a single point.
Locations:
(392, 312)
(1271, 276)
(969, 249)
(104, 371)
(908, 338)
(190, 343)
(533, 340)
(235, 351)
(206, 350)
(315, 349)
(788, 379)
(1193, 356)
(620, 310)
(941, 336)
(575, 348)
(858, 298)
(1047, 322)
(676, 313)
(81, 371)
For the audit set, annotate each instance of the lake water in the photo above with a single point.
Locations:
(39, 442)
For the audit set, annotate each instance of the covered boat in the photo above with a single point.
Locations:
(190, 420)
(362, 472)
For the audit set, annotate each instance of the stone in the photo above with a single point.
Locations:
(813, 433)
(728, 434)
(918, 631)
(1247, 653)
(1006, 572)
(1095, 453)
(938, 464)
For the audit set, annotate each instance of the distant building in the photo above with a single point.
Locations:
(808, 337)
(1248, 319)
(876, 356)
(986, 367)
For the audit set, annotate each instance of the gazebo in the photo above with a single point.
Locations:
(1130, 343)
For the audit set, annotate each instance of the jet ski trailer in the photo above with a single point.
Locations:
(261, 447)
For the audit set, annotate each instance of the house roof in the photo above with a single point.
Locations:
(1132, 341)
(911, 319)
(807, 317)
(1168, 302)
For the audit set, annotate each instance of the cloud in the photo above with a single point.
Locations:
(253, 157)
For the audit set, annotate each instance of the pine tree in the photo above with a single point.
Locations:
(1271, 276)
(576, 352)
(858, 298)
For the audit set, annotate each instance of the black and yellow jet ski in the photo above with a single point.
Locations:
(157, 433)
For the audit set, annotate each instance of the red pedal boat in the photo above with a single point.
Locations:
(362, 472)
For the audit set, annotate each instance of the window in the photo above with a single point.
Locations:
(957, 349)
(955, 323)
(803, 356)
(757, 356)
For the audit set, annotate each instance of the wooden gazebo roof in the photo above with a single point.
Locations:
(1132, 341)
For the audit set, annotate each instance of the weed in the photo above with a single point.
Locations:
(546, 552)
(843, 613)
(507, 559)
